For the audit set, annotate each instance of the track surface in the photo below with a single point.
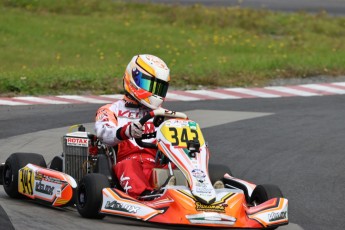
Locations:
(296, 143)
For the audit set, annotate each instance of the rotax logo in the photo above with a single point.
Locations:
(73, 141)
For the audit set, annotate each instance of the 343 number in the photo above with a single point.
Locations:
(177, 139)
(26, 181)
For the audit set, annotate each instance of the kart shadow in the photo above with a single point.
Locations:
(138, 223)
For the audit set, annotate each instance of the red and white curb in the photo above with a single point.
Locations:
(306, 90)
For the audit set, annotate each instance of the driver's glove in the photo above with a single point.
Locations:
(130, 130)
(134, 129)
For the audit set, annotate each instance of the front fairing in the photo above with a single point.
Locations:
(229, 210)
(187, 210)
(178, 206)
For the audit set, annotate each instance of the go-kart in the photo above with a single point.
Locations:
(85, 178)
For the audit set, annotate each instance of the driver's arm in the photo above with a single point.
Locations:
(108, 130)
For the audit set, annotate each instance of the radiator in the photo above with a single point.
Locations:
(76, 151)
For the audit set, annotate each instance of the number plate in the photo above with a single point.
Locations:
(179, 132)
(26, 181)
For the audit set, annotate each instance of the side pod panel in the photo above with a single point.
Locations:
(46, 185)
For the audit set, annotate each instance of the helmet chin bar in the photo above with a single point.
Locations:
(155, 100)
(135, 103)
(131, 102)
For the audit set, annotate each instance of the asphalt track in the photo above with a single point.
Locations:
(296, 143)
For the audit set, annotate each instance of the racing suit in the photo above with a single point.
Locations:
(134, 164)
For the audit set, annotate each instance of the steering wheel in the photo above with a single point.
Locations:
(154, 113)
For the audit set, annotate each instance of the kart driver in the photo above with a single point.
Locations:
(145, 82)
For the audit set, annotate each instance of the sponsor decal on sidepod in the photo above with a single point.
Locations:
(274, 216)
(114, 205)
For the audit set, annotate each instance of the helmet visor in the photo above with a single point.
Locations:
(150, 84)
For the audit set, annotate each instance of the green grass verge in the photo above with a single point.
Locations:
(83, 46)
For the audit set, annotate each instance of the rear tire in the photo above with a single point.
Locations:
(89, 195)
(11, 169)
(265, 192)
(57, 163)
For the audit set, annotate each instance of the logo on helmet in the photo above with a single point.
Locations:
(157, 61)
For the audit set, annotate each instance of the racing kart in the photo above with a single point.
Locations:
(83, 177)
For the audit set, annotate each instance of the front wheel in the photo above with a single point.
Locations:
(11, 170)
(265, 192)
(89, 195)
(217, 172)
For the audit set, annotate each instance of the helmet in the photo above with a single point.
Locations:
(147, 79)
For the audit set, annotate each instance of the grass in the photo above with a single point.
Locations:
(83, 46)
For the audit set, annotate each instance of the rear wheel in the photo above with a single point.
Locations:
(89, 195)
(265, 192)
(57, 163)
(11, 169)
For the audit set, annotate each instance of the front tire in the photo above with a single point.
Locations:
(89, 195)
(217, 172)
(265, 192)
(11, 169)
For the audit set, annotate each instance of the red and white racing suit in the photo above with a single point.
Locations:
(134, 164)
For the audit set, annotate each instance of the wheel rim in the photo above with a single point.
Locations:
(7, 175)
(257, 200)
(82, 196)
